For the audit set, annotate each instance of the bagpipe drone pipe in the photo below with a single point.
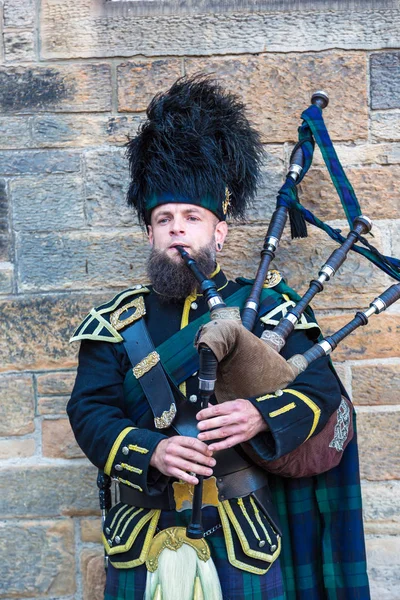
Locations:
(226, 340)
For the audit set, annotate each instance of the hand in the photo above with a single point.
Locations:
(232, 422)
(177, 455)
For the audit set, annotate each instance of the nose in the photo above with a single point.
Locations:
(177, 226)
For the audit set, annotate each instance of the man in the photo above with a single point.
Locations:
(134, 407)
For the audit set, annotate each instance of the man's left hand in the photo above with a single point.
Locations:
(231, 422)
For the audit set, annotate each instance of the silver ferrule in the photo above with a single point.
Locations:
(292, 318)
(252, 305)
(294, 171)
(326, 347)
(215, 301)
(206, 385)
(379, 305)
(273, 242)
(370, 311)
(328, 271)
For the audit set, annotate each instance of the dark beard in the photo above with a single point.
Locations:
(174, 280)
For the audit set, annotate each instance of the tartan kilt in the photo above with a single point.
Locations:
(129, 584)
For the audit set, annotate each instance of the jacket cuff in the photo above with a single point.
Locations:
(292, 418)
(129, 460)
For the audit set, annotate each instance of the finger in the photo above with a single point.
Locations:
(216, 410)
(186, 465)
(219, 434)
(215, 422)
(228, 442)
(192, 444)
(192, 456)
(179, 474)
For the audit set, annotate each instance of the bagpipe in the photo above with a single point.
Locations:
(228, 336)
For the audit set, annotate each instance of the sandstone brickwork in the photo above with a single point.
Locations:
(75, 80)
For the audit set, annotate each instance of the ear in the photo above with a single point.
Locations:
(221, 231)
(150, 235)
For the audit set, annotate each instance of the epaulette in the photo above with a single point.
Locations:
(103, 322)
(276, 282)
(276, 314)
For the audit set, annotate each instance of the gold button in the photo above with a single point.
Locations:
(273, 548)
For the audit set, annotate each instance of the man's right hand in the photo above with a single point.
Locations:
(179, 455)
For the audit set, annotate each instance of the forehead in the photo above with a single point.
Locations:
(177, 208)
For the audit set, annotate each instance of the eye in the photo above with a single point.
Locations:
(193, 218)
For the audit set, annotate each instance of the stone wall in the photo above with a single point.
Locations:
(74, 82)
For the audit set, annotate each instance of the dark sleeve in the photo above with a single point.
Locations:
(108, 437)
(302, 409)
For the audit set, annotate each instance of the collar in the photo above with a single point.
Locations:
(219, 278)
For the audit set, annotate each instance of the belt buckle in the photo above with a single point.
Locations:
(183, 494)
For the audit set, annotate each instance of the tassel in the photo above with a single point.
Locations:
(182, 575)
(298, 226)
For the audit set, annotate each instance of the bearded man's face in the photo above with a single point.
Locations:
(194, 228)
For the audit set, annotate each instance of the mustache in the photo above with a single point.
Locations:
(173, 280)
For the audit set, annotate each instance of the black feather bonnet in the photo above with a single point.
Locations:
(196, 146)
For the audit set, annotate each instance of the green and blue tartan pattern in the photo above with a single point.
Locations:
(323, 552)
(313, 127)
(129, 584)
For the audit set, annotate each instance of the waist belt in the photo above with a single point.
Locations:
(233, 485)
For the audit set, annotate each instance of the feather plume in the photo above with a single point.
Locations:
(196, 141)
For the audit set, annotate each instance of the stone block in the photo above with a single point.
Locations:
(106, 187)
(394, 229)
(91, 530)
(4, 223)
(139, 81)
(52, 405)
(16, 448)
(6, 280)
(385, 80)
(4, 255)
(58, 441)
(67, 491)
(300, 261)
(376, 384)
(57, 88)
(385, 126)
(55, 383)
(15, 132)
(272, 177)
(82, 260)
(18, 13)
(52, 203)
(379, 339)
(94, 575)
(54, 390)
(19, 46)
(17, 405)
(34, 331)
(370, 184)
(85, 30)
(38, 161)
(37, 558)
(383, 566)
(266, 82)
(82, 130)
(378, 445)
(362, 154)
(381, 504)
